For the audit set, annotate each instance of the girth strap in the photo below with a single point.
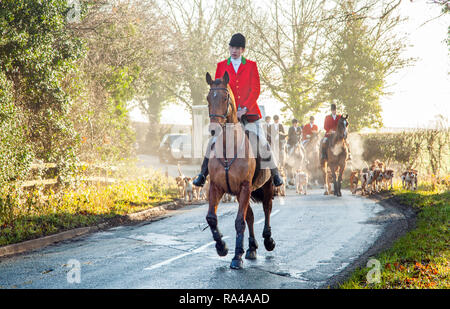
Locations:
(227, 165)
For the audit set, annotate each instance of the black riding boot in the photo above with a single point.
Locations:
(277, 181)
(201, 178)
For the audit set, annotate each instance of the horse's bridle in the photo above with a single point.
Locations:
(224, 116)
(345, 124)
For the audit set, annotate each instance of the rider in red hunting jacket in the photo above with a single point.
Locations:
(330, 126)
(309, 129)
(331, 122)
(245, 85)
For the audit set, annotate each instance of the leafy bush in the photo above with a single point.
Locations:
(30, 214)
(15, 154)
(36, 53)
(425, 149)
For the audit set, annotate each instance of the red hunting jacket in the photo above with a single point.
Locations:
(308, 130)
(330, 124)
(245, 85)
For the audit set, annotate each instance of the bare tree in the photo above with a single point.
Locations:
(129, 52)
(201, 32)
(291, 48)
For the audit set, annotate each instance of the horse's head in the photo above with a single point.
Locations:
(220, 99)
(314, 137)
(342, 126)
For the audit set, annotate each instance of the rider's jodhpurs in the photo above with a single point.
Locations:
(260, 146)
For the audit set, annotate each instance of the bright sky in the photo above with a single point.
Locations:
(418, 93)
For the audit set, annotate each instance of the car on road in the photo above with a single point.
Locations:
(175, 147)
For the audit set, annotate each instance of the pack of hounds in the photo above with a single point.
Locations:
(191, 193)
(377, 177)
(369, 180)
(187, 190)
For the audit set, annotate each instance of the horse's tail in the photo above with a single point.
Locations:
(257, 196)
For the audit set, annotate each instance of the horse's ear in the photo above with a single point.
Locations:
(209, 78)
(226, 78)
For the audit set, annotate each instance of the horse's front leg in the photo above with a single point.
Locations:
(252, 243)
(269, 243)
(335, 185)
(215, 194)
(339, 182)
(325, 179)
(244, 200)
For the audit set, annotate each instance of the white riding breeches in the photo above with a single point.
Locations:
(268, 160)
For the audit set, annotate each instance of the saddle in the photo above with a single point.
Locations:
(229, 161)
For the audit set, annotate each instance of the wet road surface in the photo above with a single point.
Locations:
(316, 237)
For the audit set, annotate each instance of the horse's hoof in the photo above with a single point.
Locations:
(326, 193)
(269, 243)
(222, 249)
(339, 194)
(236, 264)
(250, 255)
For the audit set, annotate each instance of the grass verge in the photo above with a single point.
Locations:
(419, 259)
(32, 214)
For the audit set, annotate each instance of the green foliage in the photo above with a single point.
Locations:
(111, 75)
(301, 92)
(15, 154)
(364, 51)
(355, 79)
(427, 150)
(420, 259)
(27, 215)
(36, 53)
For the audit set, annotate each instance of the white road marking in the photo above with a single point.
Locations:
(166, 262)
(271, 215)
(199, 249)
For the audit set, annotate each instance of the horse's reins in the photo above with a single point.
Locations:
(226, 164)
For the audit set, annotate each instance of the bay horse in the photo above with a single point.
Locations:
(237, 175)
(336, 156)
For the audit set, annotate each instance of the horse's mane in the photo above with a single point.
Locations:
(233, 106)
(334, 138)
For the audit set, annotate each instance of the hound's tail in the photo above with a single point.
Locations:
(179, 170)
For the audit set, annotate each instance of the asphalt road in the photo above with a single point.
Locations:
(316, 236)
